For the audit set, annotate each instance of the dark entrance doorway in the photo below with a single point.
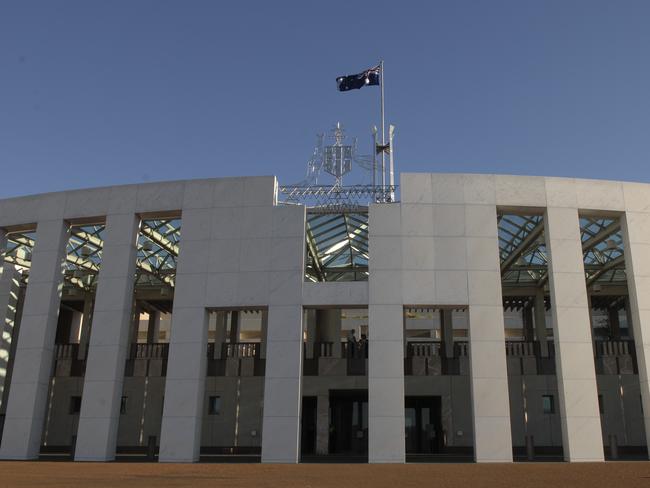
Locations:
(349, 422)
(423, 425)
(308, 428)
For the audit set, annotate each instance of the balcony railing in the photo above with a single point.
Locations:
(354, 351)
(157, 350)
(241, 350)
(67, 361)
(520, 348)
(423, 349)
(323, 349)
(614, 348)
(615, 357)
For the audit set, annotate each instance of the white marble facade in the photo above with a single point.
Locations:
(240, 248)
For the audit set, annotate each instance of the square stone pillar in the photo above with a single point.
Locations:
(636, 238)
(184, 404)
(109, 342)
(34, 354)
(576, 375)
(540, 322)
(283, 385)
(284, 348)
(180, 439)
(487, 352)
(89, 303)
(386, 442)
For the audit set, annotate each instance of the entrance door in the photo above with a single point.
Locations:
(349, 422)
(423, 425)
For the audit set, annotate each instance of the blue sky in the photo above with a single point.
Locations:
(94, 93)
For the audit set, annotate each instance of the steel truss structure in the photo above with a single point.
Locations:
(337, 246)
(524, 260)
(336, 198)
(158, 246)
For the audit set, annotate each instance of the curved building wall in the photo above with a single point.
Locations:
(438, 247)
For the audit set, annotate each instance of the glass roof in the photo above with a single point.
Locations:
(337, 246)
(158, 246)
(603, 251)
(522, 249)
(84, 255)
(523, 256)
(19, 251)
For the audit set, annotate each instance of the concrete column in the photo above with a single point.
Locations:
(311, 333)
(527, 316)
(9, 291)
(576, 376)
(135, 324)
(234, 327)
(636, 238)
(386, 383)
(322, 424)
(283, 378)
(109, 342)
(628, 313)
(487, 354)
(386, 442)
(75, 327)
(614, 326)
(153, 329)
(328, 328)
(34, 354)
(85, 326)
(540, 322)
(264, 332)
(447, 329)
(180, 438)
(220, 333)
(283, 385)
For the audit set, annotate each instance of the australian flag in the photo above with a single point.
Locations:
(354, 82)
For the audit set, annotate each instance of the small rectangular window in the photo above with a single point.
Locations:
(548, 405)
(123, 405)
(214, 405)
(601, 404)
(75, 405)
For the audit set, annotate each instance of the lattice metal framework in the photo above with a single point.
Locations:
(523, 256)
(603, 251)
(19, 252)
(337, 246)
(158, 246)
(335, 198)
(522, 249)
(84, 255)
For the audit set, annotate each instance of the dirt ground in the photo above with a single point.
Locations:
(543, 475)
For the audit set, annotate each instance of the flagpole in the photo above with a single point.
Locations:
(374, 164)
(383, 132)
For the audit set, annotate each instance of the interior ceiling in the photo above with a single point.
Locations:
(337, 246)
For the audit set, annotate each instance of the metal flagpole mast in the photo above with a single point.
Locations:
(391, 175)
(383, 133)
(374, 164)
